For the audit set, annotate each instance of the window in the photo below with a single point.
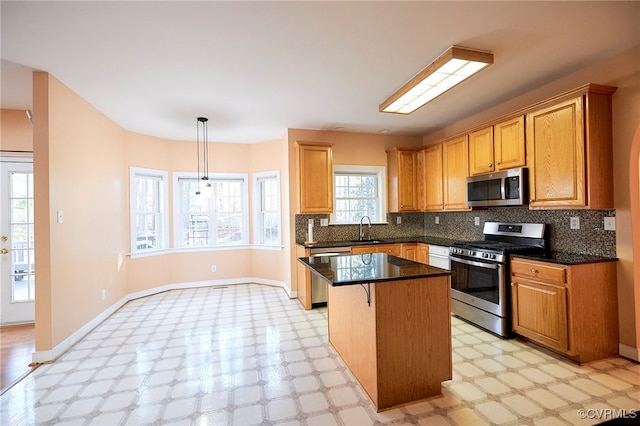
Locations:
(358, 191)
(216, 216)
(149, 209)
(267, 208)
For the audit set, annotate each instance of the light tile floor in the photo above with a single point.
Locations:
(246, 354)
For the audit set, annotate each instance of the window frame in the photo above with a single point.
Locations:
(163, 204)
(258, 228)
(177, 192)
(380, 172)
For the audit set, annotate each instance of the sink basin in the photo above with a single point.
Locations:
(366, 241)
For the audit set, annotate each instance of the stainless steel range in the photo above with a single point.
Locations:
(480, 272)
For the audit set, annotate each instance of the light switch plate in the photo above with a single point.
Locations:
(609, 223)
(324, 222)
(399, 220)
(574, 222)
(476, 221)
(437, 220)
(60, 216)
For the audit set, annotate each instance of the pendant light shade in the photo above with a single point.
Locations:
(202, 138)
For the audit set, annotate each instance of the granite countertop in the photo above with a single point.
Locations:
(566, 258)
(368, 268)
(438, 241)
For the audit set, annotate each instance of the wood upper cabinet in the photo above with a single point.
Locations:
(481, 151)
(402, 179)
(497, 147)
(509, 144)
(455, 170)
(570, 152)
(315, 173)
(571, 309)
(433, 182)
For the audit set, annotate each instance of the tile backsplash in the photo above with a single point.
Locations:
(590, 239)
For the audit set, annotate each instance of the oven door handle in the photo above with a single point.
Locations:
(474, 263)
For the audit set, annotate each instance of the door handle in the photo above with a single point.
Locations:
(4, 251)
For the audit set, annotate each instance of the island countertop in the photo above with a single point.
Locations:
(352, 269)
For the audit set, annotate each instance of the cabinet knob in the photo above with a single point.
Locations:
(513, 285)
(534, 271)
(497, 163)
(490, 165)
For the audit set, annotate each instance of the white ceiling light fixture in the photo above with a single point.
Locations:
(455, 65)
(201, 128)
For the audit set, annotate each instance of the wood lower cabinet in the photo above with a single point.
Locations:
(392, 249)
(569, 309)
(422, 253)
(315, 172)
(570, 151)
(409, 251)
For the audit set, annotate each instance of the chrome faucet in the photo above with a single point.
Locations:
(361, 231)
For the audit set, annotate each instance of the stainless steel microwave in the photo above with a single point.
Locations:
(504, 188)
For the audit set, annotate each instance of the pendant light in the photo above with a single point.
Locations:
(201, 129)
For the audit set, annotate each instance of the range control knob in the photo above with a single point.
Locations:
(492, 256)
(485, 255)
(471, 253)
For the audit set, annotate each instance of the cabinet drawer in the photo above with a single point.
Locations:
(540, 271)
(392, 249)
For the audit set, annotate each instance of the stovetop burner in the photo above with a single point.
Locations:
(502, 239)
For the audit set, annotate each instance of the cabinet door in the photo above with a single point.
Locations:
(315, 169)
(481, 151)
(422, 253)
(508, 144)
(433, 196)
(540, 312)
(556, 155)
(401, 179)
(421, 181)
(409, 251)
(455, 164)
(392, 249)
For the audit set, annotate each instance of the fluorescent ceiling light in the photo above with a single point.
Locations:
(452, 67)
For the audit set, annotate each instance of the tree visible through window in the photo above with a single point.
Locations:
(356, 195)
(216, 216)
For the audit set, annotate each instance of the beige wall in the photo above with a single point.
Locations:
(622, 71)
(348, 149)
(16, 132)
(78, 170)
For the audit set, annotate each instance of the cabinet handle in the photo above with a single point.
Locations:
(534, 271)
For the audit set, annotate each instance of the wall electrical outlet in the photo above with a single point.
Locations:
(437, 220)
(609, 223)
(476, 221)
(324, 222)
(399, 220)
(214, 268)
(574, 222)
(103, 294)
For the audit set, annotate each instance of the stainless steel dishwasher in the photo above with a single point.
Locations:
(318, 285)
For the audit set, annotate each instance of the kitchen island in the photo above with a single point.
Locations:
(390, 322)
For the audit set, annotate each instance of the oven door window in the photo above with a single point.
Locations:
(480, 280)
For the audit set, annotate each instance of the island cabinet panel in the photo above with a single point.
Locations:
(315, 173)
(399, 348)
(571, 309)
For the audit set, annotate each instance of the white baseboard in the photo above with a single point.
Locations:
(629, 352)
(52, 354)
